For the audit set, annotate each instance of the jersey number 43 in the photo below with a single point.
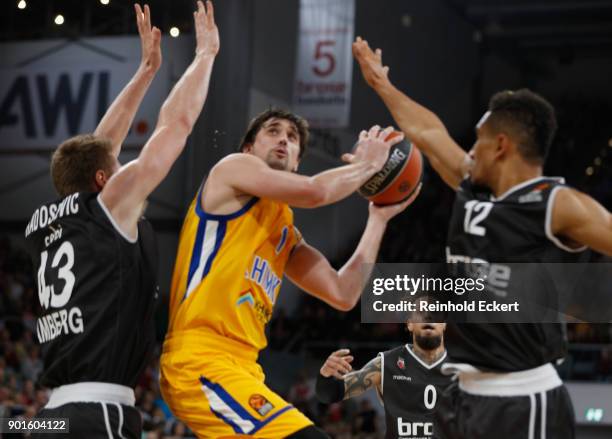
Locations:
(64, 259)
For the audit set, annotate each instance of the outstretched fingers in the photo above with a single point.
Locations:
(139, 18)
(147, 19)
(156, 35)
(199, 14)
(374, 131)
(210, 13)
(386, 132)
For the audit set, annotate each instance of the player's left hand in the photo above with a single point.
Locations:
(391, 210)
(150, 39)
(370, 63)
(337, 364)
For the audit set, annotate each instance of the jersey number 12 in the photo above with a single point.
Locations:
(475, 213)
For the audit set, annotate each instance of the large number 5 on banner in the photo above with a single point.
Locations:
(325, 58)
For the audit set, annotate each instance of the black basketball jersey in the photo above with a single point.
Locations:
(410, 391)
(97, 293)
(515, 227)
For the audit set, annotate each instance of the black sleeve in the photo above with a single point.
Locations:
(330, 389)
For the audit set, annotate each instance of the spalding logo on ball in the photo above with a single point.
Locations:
(398, 178)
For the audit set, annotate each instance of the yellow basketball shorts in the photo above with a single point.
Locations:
(218, 395)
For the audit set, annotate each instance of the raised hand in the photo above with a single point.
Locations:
(373, 147)
(207, 34)
(370, 63)
(337, 364)
(150, 38)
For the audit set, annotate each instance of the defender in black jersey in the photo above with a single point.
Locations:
(505, 211)
(96, 257)
(407, 379)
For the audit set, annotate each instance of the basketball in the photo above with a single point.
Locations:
(399, 177)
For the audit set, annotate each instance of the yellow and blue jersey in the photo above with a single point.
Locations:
(229, 269)
(226, 280)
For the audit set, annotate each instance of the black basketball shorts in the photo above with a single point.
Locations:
(95, 420)
(544, 415)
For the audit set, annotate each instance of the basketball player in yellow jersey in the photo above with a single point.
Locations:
(237, 242)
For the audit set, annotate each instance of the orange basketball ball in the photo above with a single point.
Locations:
(398, 178)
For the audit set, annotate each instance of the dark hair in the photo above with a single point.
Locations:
(256, 124)
(75, 162)
(528, 118)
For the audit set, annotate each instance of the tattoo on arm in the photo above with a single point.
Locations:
(355, 383)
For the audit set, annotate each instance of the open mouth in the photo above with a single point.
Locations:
(430, 327)
(280, 153)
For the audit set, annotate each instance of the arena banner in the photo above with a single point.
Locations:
(322, 88)
(481, 292)
(52, 89)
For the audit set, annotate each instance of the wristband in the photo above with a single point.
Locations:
(329, 389)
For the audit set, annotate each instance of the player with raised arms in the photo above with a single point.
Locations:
(96, 257)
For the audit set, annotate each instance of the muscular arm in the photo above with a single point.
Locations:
(248, 174)
(119, 116)
(582, 220)
(421, 126)
(357, 382)
(336, 382)
(127, 190)
(312, 272)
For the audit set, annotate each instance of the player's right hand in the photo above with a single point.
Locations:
(337, 364)
(207, 34)
(389, 211)
(372, 148)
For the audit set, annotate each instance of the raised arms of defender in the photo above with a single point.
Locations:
(126, 191)
(576, 217)
(338, 366)
(119, 116)
(421, 126)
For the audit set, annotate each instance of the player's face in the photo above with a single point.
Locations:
(278, 144)
(482, 153)
(426, 335)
